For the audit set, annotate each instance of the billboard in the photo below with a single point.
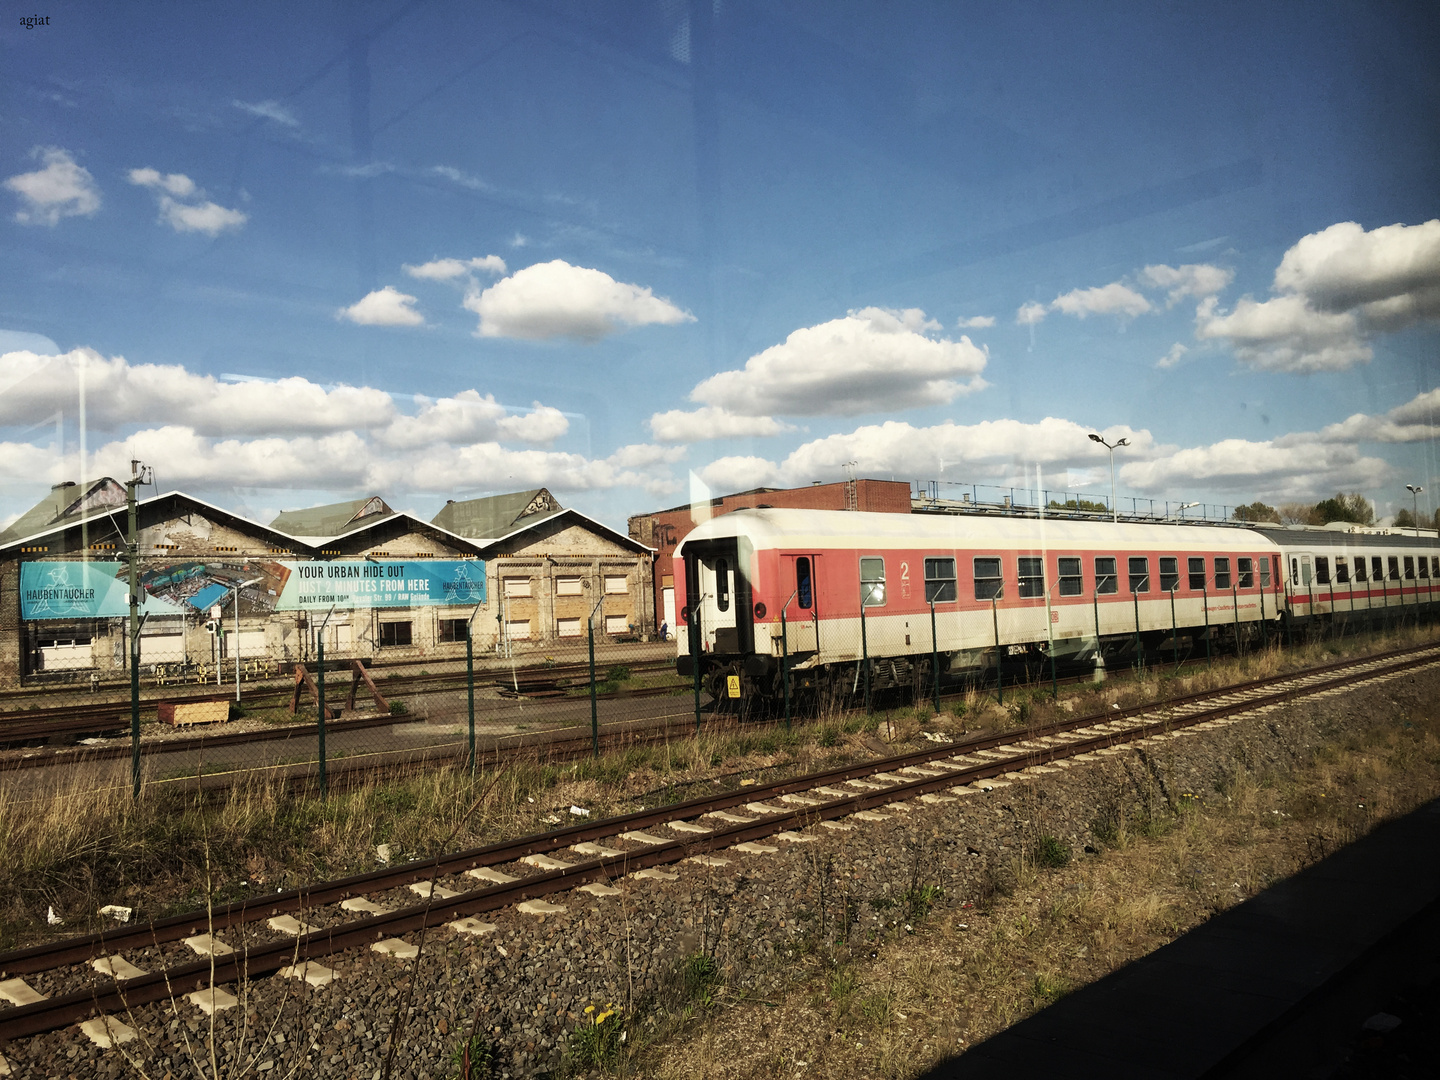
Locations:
(374, 583)
(82, 590)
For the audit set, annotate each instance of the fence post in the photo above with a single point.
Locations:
(594, 714)
(1265, 627)
(320, 729)
(999, 655)
(470, 690)
(1139, 646)
(693, 629)
(864, 654)
(935, 656)
(1174, 629)
(1205, 592)
(784, 664)
(132, 553)
(1235, 607)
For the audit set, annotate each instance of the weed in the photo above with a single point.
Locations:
(1051, 853)
(474, 1059)
(1045, 988)
(701, 977)
(595, 1042)
(617, 674)
(919, 899)
(399, 708)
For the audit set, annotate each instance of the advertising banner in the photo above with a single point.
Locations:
(382, 583)
(82, 590)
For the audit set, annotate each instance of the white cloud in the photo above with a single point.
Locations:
(729, 474)
(872, 360)
(183, 205)
(519, 240)
(976, 322)
(1112, 299)
(268, 110)
(1285, 334)
(639, 455)
(1334, 290)
(1247, 470)
(1173, 357)
(383, 307)
(60, 189)
(464, 179)
(1030, 313)
(1418, 420)
(555, 299)
(448, 269)
(712, 422)
(1193, 279)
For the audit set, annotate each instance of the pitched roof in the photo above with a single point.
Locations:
(66, 503)
(333, 519)
(497, 515)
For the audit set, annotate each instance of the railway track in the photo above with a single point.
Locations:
(56, 984)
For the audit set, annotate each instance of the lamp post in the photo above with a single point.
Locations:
(1185, 506)
(1112, 447)
(235, 590)
(1415, 490)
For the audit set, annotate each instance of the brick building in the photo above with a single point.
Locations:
(664, 529)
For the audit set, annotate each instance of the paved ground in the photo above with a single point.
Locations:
(1280, 985)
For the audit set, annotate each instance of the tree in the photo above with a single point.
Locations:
(1297, 514)
(1257, 511)
(1405, 520)
(1354, 508)
(1080, 504)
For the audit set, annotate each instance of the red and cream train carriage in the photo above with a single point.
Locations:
(1044, 585)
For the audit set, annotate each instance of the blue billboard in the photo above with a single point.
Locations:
(82, 590)
(381, 583)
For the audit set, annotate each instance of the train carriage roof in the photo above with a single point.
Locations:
(798, 530)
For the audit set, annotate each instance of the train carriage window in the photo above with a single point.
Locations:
(1322, 569)
(1435, 565)
(1409, 568)
(804, 587)
(1342, 570)
(872, 581)
(1169, 573)
(1032, 576)
(939, 580)
(1071, 583)
(1105, 576)
(1359, 567)
(989, 585)
(1139, 574)
(722, 585)
(1377, 568)
(1265, 572)
(1394, 567)
(1222, 572)
(1424, 566)
(1246, 569)
(1197, 572)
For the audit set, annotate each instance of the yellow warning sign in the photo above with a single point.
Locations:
(732, 686)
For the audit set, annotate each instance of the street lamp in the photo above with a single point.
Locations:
(235, 588)
(1415, 490)
(1114, 507)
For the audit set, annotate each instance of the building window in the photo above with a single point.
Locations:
(722, 585)
(394, 634)
(567, 628)
(872, 581)
(617, 624)
(616, 584)
(1247, 572)
(518, 629)
(1222, 572)
(1322, 569)
(1169, 573)
(1394, 567)
(452, 630)
(1071, 583)
(1409, 568)
(1265, 572)
(1196, 565)
(989, 585)
(516, 587)
(1032, 577)
(1105, 577)
(1139, 574)
(939, 580)
(564, 586)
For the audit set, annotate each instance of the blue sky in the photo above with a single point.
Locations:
(434, 250)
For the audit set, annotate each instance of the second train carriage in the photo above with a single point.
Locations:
(856, 585)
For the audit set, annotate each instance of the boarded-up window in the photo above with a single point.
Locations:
(518, 629)
(617, 624)
(567, 627)
(517, 586)
(566, 586)
(394, 634)
(154, 649)
(616, 584)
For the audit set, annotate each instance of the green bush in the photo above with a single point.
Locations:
(595, 1042)
(1051, 853)
(399, 708)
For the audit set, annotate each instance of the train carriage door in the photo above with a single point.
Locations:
(802, 615)
(717, 591)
